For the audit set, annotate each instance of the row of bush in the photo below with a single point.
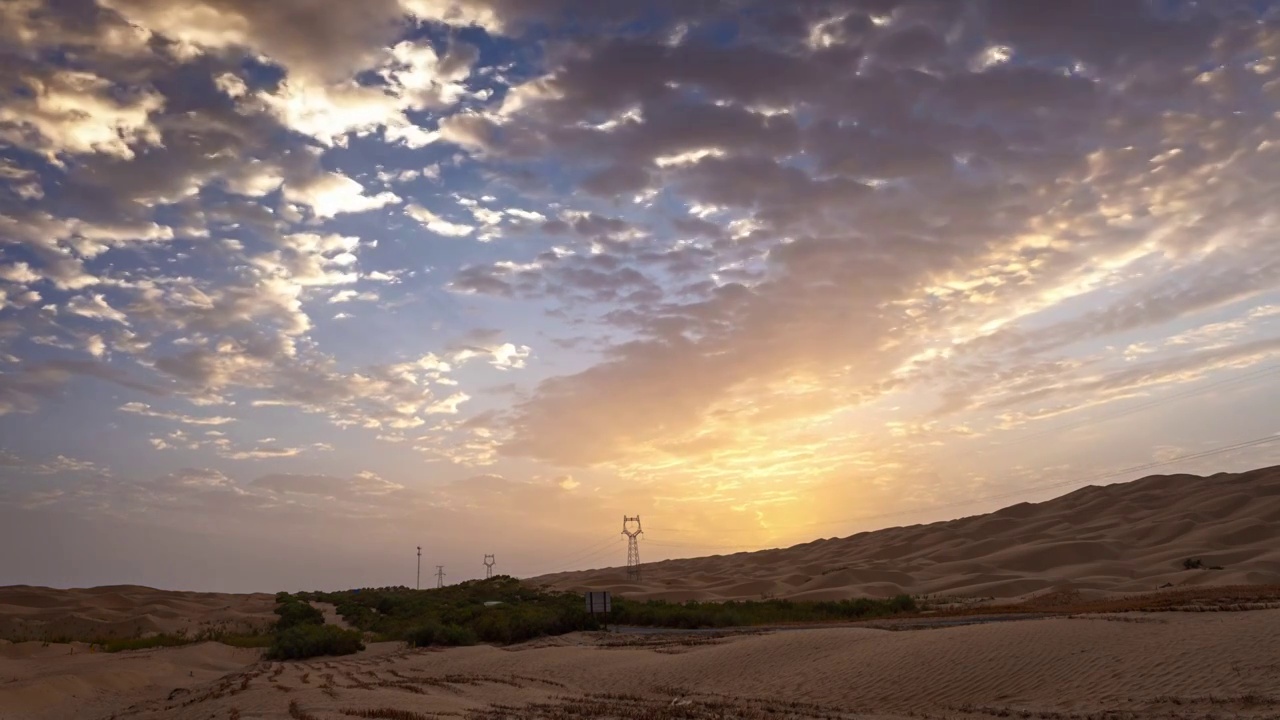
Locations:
(459, 615)
(499, 610)
(503, 611)
(658, 613)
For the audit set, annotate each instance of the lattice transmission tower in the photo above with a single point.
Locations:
(439, 576)
(488, 566)
(633, 545)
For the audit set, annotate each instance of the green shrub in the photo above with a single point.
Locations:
(438, 634)
(304, 641)
(295, 612)
(458, 615)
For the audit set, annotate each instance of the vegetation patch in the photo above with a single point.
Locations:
(304, 641)
(502, 611)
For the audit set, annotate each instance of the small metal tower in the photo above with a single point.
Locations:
(418, 585)
(488, 566)
(439, 576)
(633, 545)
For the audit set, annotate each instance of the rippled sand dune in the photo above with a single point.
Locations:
(115, 611)
(1129, 537)
(1095, 542)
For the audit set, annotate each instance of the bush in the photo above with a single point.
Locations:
(1192, 564)
(304, 641)
(458, 614)
(439, 634)
(295, 612)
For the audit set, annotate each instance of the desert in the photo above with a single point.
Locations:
(1080, 607)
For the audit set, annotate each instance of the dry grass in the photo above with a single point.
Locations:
(634, 707)
(394, 714)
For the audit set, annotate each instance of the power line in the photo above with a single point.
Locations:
(580, 555)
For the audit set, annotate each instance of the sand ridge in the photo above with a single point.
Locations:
(39, 613)
(1129, 537)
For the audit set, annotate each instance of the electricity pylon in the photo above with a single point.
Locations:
(439, 576)
(488, 566)
(633, 546)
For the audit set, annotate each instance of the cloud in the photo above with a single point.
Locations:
(435, 223)
(145, 410)
(502, 355)
(9, 462)
(331, 193)
(363, 483)
(72, 113)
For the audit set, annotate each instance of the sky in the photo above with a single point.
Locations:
(289, 289)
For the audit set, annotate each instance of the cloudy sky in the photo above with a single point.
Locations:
(289, 288)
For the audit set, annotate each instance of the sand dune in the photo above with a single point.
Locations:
(39, 613)
(1138, 665)
(1128, 537)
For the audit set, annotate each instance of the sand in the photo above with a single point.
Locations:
(1172, 665)
(1106, 541)
(1130, 537)
(117, 611)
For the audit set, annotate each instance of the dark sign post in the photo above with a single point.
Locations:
(600, 603)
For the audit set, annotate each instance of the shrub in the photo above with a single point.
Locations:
(304, 641)
(295, 612)
(439, 634)
(1192, 564)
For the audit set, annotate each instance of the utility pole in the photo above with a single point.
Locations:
(418, 585)
(633, 545)
(488, 566)
(439, 576)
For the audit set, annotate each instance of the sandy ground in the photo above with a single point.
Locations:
(1129, 537)
(28, 612)
(1170, 665)
(1105, 541)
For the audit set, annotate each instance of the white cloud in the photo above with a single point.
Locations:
(19, 272)
(145, 410)
(331, 193)
(79, 112)
(435, 223)
(529, 215)
(349, 295)
(504, 356)
(95, 307)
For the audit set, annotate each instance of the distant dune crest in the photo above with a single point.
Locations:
(1128, 537)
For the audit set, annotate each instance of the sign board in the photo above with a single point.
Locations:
(599, 602)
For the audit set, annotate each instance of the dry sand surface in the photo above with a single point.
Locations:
(1169, 665)
(1093, 543)
(125, 611)
(1129, 537)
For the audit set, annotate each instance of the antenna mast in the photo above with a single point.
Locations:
(633, 545)
(418, 584)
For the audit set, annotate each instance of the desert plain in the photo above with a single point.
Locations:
(1155, 598)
